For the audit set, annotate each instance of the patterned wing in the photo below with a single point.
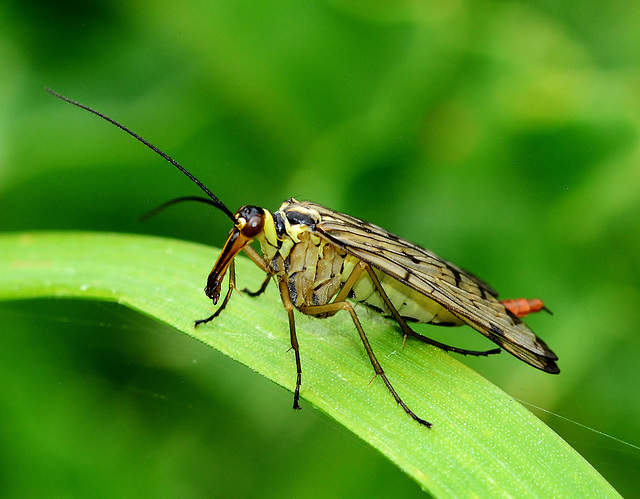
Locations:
(460, 292)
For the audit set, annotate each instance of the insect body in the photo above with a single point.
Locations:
(319, 258)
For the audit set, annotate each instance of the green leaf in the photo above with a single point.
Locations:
(483, 443)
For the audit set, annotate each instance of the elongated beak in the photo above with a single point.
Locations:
(235, 242)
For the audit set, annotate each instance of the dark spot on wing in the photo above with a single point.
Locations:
(495, 330)
(456, 275)
(392, 236)
(413, 258)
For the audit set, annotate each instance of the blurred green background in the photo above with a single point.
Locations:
(502, 135)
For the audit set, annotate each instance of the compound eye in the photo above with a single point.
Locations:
(254, 226)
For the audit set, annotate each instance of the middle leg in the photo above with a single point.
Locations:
(332, 308)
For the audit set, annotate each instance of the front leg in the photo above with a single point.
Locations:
(259, 261)
(262, 289)
(289, 307)
(232, 286)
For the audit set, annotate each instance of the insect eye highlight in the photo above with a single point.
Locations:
(254, 226)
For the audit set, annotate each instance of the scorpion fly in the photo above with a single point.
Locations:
(320, 258)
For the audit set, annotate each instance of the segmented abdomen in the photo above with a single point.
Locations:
(313, 269)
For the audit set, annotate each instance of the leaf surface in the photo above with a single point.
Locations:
(483, 443)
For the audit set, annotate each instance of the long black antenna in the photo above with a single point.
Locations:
(152, 213)
(216, 202)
